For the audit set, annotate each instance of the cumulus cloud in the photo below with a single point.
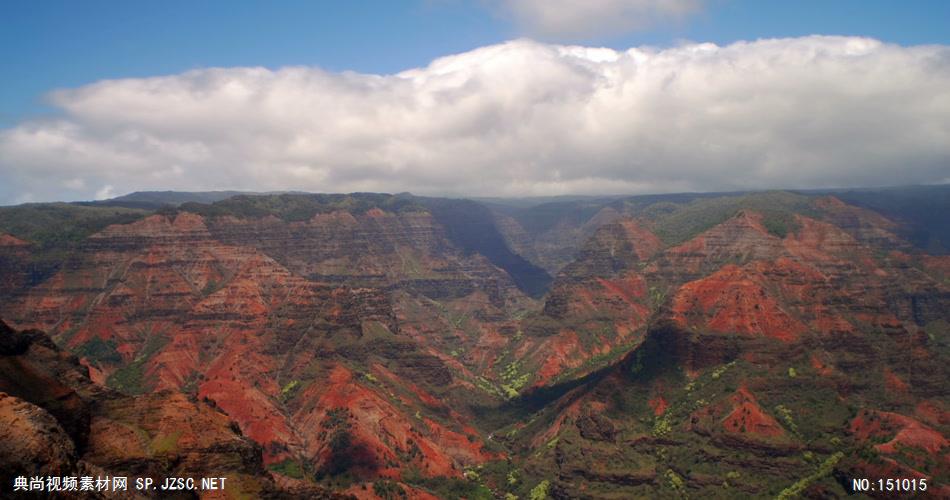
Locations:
(575, 19)
(519, 118)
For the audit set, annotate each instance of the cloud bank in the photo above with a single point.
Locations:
(519, 118)
(573, 19)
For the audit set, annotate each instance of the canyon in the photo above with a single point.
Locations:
(395, 346)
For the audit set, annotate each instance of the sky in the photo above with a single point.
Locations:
(471, 97)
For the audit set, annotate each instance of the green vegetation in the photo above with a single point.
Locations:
(795, 490)
(100, 352)
(289, 390)
(485, 385)
(290, 386)
(209, 288)
(289, 468)
(676, 223)
(513, 380)
(540, 492)
(388, 490)
(56, 229)
(662, 426)
(58, 225)
(336, 428)
(130, 378)
(472, 475)
(166, 443)
(675, 482)
(786, 416)
(732, 478)
(299, 206)
(779, 223)
(720, 370)
(450, 487)
(657, 297)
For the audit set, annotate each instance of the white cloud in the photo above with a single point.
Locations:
(74, 184)
(105, 193)
(574, 19)
(520, 118)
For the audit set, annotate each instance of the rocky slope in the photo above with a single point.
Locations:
(56, 421)
(769, 364)
(14, 255)
(192, 304)
(390, 345)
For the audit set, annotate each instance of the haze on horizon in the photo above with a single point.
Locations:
(557, 104)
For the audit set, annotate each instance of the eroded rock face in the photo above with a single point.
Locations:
(597, 305)
(366, 433)
(186, 304)
(907, 447)
(755, 347)
(865, 225)
(14, 261)
(355, 347)
(61, 423)
(375, 249)
(734, 300)
(556, 245)
(742, 238)
(34, 444)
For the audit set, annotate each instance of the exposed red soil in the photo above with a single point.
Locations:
(240, 329)
(900, 429)
(631, 288)
(741, 238)
(733, 300)
(560, 352)
(818, 241)
(805, 291)
(95, 374)
(894, 383)
(216, 304)
(417, 391)
(658, 404)
(7, 240)
(932, 412)
(97, 430)
(382, 430)
(646, 244)
(747, 417)
(572, 411)
(820, 365)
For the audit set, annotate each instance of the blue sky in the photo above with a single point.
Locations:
(46, 45)
(471, 97)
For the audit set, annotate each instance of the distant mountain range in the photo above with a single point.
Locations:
(156, 199)
(920, 209)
